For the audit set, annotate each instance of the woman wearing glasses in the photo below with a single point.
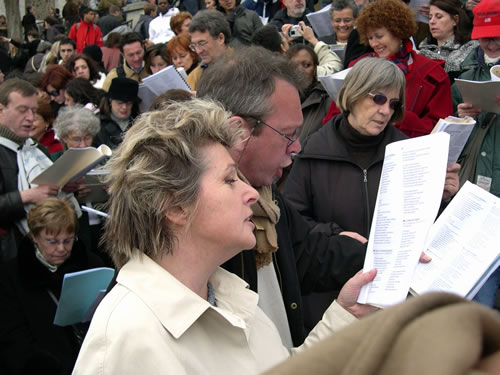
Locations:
(30, 287)
(54, 82)
(334, 181)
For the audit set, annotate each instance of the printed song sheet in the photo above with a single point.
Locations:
(463, 244)
(409, 196)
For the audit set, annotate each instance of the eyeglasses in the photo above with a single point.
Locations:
(65, 242)
(290, 138)
(54, 93)
(201, 44)
(380, 99)
(85, 138)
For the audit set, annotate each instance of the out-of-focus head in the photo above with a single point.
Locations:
(76, 126)
(44, 117)
(447, 19)
(18, 102)
(132, 50)
(150, 10)
(53, 223)
(173, 95)
(269, 37)
(156, 58)
(163, 6)
(210, 35)
(54, 82)
(179, 53)
(295, 8)
(487, 27)
(384, 24)
(342, 16)
(156, 172)
(358, 95)
(67, 48)
(306, 59)
(180, 22)
(271, 96)
(81, 91)
(210, 4)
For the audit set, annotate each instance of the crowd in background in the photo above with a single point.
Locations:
(74, 83)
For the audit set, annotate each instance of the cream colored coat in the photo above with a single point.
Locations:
(150, 323)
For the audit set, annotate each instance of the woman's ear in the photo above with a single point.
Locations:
(178, 216)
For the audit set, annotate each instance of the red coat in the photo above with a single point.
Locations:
(428, 96)
(85, 34)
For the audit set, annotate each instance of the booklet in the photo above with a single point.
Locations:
(463, 244)
(339, 49)
(481, 94)
(98, 191)
(73, 164)
(78, 293)
(408, 200)
(159, 83)
(333, 82)
(320, 21)
(459, 130)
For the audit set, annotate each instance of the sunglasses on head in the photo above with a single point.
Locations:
(380, 99)
(53, 93)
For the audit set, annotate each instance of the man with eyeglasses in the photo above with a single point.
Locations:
(21, 160)
(210, 37)
(261, 89)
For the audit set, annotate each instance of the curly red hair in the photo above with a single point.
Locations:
(394, 15)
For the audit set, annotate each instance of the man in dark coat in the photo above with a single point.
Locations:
(289, 260)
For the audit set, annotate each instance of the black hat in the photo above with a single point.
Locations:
(124, 89)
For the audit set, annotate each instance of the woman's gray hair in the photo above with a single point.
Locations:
(156, 170)
(76, 119)
(342, 4)
(370, 75)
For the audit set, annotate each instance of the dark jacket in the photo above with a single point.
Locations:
(108, 23)
(304, 262)
(54, 31)
(281, 18)
(314, 107)
(28, 338)
(142, 26)
(30, 46)
(110, 134)
(329, 189)
(243, 23)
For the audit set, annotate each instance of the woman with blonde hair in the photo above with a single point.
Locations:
(178, 210)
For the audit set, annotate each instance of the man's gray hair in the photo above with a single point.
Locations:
(245, 81)
(342, 4)
(76, 119)
(370, 75)
(212, 21)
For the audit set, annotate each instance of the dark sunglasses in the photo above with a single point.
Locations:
(380, 99)
(53, 93)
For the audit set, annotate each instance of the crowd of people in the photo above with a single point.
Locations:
(256, 156)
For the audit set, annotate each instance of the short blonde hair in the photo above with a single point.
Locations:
(157, 168)
(54, 215)
(370, 75)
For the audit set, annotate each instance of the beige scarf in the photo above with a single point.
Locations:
(266, 214)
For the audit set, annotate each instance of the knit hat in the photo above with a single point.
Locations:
(124, 89)
(486, 19)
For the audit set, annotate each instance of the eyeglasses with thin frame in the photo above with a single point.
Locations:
(381, 99)
(290, 138)
(200, 44)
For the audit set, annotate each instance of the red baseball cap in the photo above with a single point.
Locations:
(486, 19)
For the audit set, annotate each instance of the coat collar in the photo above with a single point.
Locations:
(166, 296)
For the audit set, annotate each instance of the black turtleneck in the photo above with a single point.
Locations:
(362, 148)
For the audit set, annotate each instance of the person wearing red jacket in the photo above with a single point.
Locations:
(86, 32)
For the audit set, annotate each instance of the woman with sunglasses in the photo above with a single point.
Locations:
(30, 287)
(54, 82)
(334, 181)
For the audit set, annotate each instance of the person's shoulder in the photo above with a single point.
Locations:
(426, 66)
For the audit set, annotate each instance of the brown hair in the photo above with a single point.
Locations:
(15, 85)
(394, 15)
(54, 215)
(57, 76)
(177, 21)
(93, 69)
(44, 109)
